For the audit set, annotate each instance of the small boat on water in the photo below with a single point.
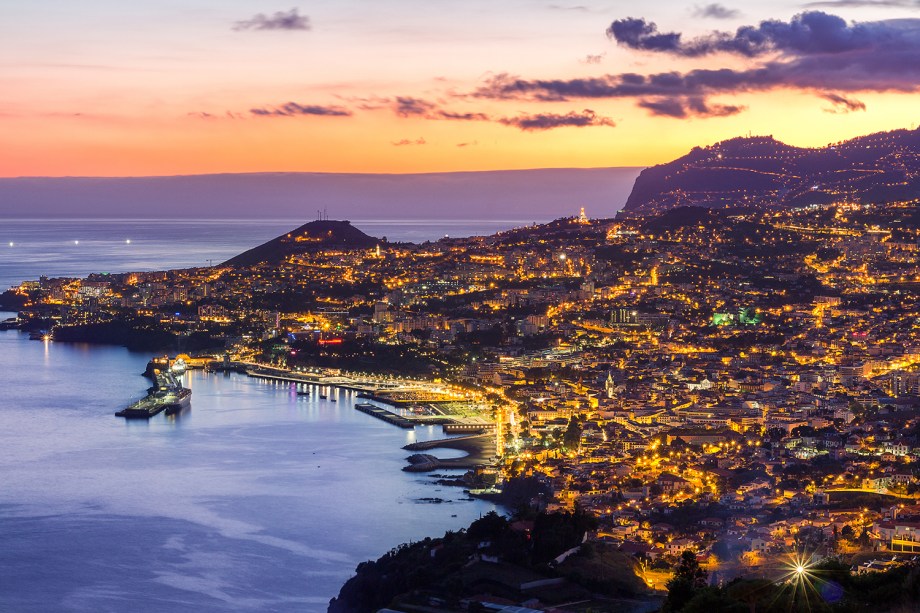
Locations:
(299, 393)
(323, 396)
(332, 400)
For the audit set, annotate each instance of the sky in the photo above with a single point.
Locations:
(177, 87)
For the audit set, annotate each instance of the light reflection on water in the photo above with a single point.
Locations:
(254, 499)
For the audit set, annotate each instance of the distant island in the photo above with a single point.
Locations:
(530, 195)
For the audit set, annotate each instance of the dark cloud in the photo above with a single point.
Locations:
(293, 109)
(833, 56)
(685, 107)
(548, 121)
(813, 51)
(842, 104)
(406, 106)
(290, 20)
(453, 116)
(641, 34)
(404, 142)
(809, 33)
(715, 11)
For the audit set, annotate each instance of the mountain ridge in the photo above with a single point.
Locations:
(762, 171)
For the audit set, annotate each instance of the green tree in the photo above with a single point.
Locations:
(688, 580)
(572, 437)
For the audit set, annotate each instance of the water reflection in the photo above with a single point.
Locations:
(256, 498)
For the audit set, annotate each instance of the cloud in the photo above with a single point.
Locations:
(593, 59)
(715, 11)
(812, 52)
(293, 109)
(406, 106)
(641, 34)
(689, 106)
(468, 144)
(404, 142)
(281, 20)
(842, 104)
(454, 116)
(807, 34)
(549, 121)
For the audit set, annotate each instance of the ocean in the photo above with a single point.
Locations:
(30, 248)
(255, 499)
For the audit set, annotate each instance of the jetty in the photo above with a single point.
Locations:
(480, 451)
(387, 416)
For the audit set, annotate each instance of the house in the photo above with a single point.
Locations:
(671, 483)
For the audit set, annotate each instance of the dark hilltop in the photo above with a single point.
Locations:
(319, 235)
(763, 172)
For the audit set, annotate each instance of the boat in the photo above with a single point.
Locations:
(323, 396)
(299, 393)
(332, 400)
(167, 395)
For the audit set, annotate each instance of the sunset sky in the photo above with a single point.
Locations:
(114, 88)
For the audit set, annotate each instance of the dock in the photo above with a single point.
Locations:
(387, 416)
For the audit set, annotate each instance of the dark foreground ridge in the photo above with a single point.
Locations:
(321, 235)
(761, 171)
(497, 560)
(544, 563)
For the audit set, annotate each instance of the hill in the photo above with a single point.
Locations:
(320, 235)
(761, 171)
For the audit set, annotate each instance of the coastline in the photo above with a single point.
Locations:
(194, 488)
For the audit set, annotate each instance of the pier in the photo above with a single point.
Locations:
(387, 416)
(468, 428)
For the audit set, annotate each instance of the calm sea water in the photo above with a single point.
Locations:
(31, 248)
(256, 499)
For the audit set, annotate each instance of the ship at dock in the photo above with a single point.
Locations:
(166, 395)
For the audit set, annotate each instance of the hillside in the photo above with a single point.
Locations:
(761, 171)
(320, 235)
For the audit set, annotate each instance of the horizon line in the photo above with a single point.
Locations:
(316, 172)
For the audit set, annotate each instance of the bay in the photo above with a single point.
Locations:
(31, 248)
(256, 499)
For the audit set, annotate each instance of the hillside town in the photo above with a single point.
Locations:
(738, 383)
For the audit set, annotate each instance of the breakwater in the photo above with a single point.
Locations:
(480, 450)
